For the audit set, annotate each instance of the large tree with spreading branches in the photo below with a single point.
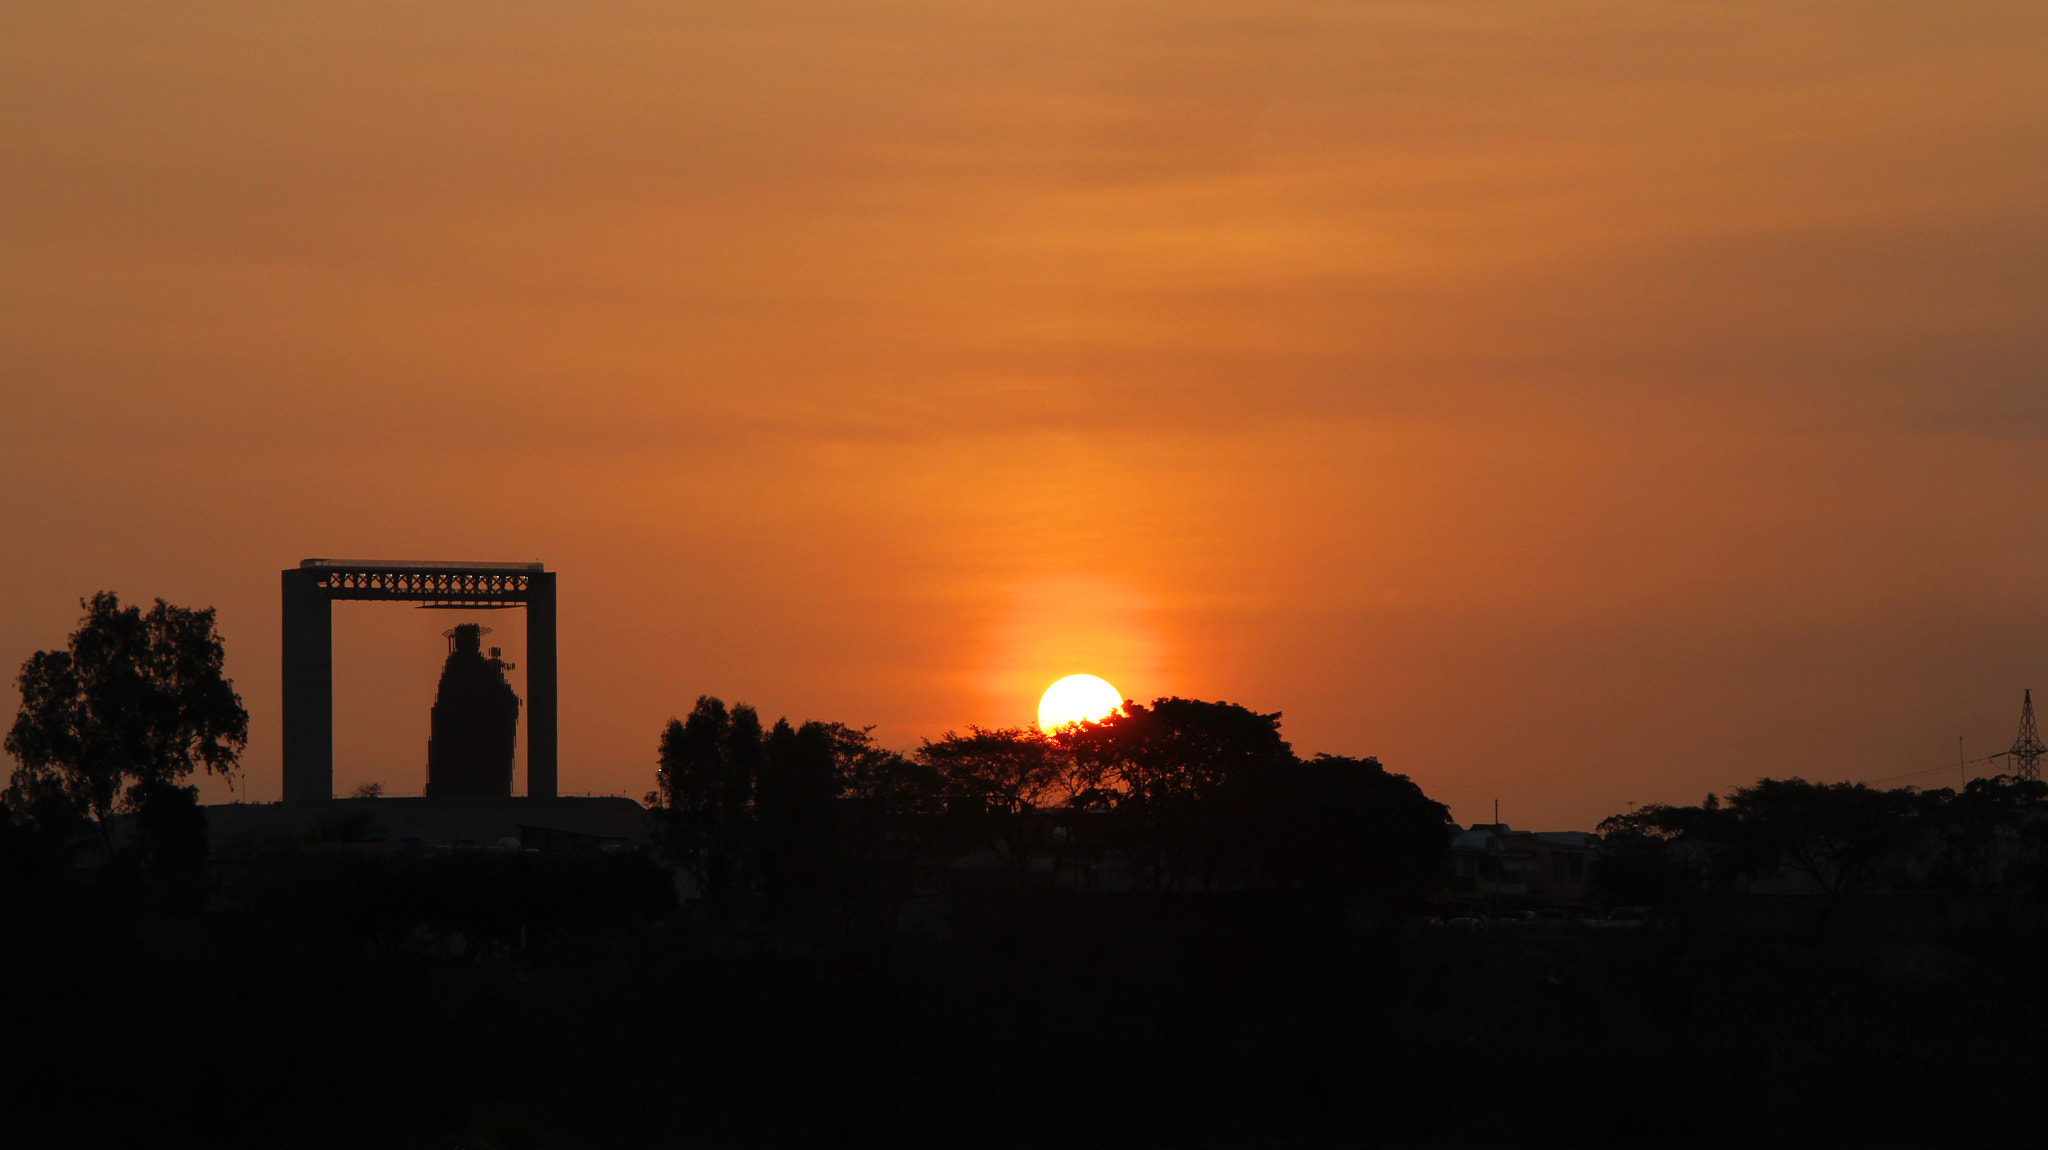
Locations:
(118, 720)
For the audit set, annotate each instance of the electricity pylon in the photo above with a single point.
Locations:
(2027, 750)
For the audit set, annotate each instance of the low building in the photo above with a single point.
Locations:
(1501, 868)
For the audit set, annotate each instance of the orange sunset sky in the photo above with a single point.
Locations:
(1569, 403)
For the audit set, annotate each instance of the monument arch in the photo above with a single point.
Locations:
(310, 590)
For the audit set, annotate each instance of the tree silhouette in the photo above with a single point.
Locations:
(793, 808)
(1343, 824)
(1193, 794)
(705, 774)
(996, 779)
(1160, 771)
(118, 721)
(1659, 855)
(1839, 836)
(1837, 840)
(881, 779)
(1987, 835)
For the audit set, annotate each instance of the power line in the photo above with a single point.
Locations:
(2027, 748)
(1932, 770)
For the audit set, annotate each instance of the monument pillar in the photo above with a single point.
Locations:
(308, 688)
(540, 686)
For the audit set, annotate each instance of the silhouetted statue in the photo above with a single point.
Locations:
(476, 719)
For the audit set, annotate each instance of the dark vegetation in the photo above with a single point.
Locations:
(1986, 845)
(115, 724)
(1166, 929)
(1180, 796)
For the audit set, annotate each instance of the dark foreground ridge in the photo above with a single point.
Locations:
(398, 822)
(333, 998)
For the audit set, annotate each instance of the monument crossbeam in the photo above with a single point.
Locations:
(434, 587)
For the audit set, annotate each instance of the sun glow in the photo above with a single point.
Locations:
(1076, 699)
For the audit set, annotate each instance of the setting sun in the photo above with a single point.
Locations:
(1076, 699)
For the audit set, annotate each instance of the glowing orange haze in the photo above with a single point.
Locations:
(1574, 404)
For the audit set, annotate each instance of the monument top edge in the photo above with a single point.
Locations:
(420, 565)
